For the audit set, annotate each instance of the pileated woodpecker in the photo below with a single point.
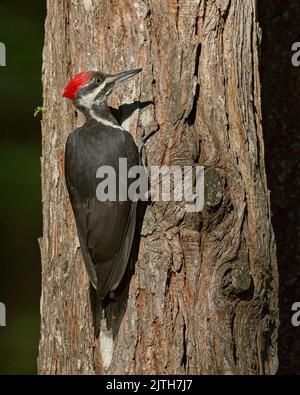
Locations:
(105, 228)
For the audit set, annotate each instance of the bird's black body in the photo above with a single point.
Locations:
(105, 229)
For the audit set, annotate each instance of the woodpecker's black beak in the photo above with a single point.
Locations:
(123, 75)
(104, 89)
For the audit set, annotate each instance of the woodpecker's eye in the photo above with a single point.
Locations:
(98, 80)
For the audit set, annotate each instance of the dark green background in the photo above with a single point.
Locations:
(22, 31)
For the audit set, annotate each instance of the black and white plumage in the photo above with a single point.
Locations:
(105, 229)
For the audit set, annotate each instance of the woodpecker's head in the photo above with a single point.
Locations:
(92, 87)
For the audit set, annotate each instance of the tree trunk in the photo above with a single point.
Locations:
(203, 297)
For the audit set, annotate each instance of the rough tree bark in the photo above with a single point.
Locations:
(203, 297)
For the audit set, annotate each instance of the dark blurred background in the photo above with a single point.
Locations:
(280, 82)
(22, 31)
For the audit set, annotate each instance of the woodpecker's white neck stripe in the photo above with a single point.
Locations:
(105, 122)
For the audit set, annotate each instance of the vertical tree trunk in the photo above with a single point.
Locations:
(203, 298)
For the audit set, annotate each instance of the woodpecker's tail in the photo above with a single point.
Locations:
(97, 310)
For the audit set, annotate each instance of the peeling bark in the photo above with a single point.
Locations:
(203, 297)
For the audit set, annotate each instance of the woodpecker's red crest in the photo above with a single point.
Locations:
(75, 84)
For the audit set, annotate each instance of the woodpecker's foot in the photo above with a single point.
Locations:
(111, 295)
(143, 139)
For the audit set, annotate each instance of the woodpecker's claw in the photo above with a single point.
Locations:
(143, 139)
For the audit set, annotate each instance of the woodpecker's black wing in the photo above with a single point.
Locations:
(105, 229)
